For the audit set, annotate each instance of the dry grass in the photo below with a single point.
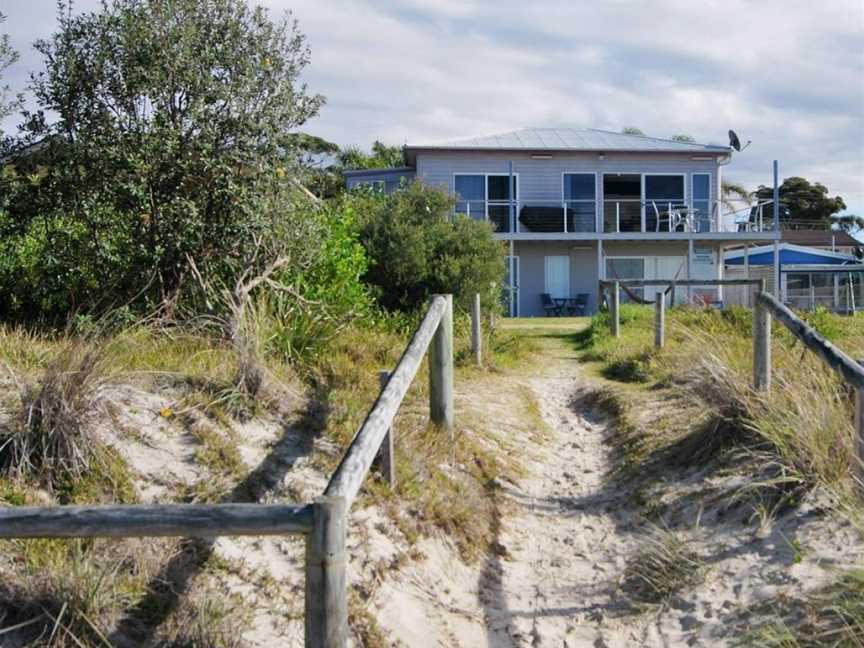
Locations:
(795, 437)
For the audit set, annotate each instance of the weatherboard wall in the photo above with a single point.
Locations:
(541, 180)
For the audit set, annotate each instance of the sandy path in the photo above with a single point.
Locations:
(566, 536)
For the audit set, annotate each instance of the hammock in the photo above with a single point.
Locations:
(636, 298)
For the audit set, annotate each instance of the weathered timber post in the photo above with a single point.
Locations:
(614, 314)
(441, 369)
(476, 331)
(660, 320)
(672, 296)
(326, 620)
(386, 452)
(761, 344)
(859, 429)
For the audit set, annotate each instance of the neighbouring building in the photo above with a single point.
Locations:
(579, 205)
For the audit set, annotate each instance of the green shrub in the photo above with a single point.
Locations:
(416, 249)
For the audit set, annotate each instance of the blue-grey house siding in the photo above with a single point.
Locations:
(542, 180)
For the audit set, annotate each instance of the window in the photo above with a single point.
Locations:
(662, 192)
(486, 196)
(701, 192)
(626, 268)
(580, 193)
(622, 206)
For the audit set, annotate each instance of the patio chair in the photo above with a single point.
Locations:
(550, 307)
(579, 305)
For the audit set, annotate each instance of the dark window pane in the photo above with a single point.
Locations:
(622, 186)
(664, 186)
(471, 187)
(701, 186)
(499, 216)
(498, 187)
(579, 186)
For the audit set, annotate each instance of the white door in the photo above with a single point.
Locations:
(557, 277)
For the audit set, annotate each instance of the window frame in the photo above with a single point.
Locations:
(565, 202)
(486, 175)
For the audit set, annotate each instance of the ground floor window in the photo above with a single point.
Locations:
(626, 268)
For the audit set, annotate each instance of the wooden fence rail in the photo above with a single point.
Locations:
(323, 522)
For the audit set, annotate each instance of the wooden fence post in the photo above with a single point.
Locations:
(386, 452)
(660, 320)
(476, 331)
(859, 429)
(614, 315)
(441, 369)
(326, 620)
(761, 346)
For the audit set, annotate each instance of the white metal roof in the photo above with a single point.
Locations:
(572, 139)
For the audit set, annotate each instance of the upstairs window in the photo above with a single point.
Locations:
(580, 197)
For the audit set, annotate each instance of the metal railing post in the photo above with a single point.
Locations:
(326, 620)
(476, 331)
(761, 344)
(614, 315)
(441, 369)
(660, 320)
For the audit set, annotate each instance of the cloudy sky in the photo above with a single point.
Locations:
(787, 74)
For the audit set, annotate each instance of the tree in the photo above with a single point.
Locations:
(804, 205)
(733, 196)
(848, 223)
(8, 56)
(682, 137)
(632, 130)
(382, 157)
(416, 249)
(174, 119)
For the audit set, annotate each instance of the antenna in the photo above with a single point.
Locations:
(735, 143)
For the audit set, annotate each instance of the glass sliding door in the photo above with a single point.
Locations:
(626, 268)
(580, 198)
(701, 196)
(622, 202)
(486, 196)
(471, 195)
(664, 196)
(500, 193)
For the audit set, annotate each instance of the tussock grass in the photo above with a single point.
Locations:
(795, 437)
(665, 564)
(51, 441)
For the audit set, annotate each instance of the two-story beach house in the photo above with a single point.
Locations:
(578, 205)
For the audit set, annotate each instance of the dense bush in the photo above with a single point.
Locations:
(172, 123)
(416, 249)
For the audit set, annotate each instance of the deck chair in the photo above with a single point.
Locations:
(549, 305)
(579, 305)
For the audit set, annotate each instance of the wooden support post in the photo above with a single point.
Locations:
(441, 370)
(476, 331)
(761, 346)
(386, 452)
(660, 320)
(326, 620)
(859, 430)
(614, 310)
(672, 296)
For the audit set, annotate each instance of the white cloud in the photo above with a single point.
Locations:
(788, 75)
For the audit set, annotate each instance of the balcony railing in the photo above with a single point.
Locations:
(625, 215)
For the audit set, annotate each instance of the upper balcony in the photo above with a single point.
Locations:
(630, 216)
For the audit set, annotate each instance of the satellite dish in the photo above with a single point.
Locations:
(735, 143)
